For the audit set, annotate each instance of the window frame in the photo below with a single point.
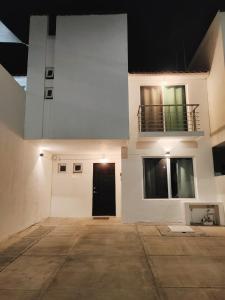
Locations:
(186, 86)
(186, 89)
(169, 178)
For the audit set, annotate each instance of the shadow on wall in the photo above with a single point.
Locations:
(12, 103)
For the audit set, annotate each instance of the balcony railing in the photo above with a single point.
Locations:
(153, 118)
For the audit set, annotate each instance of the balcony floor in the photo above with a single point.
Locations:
(183, 135)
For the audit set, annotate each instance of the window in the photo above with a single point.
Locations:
(163, 108)
(48, 93)
(219, 159)
(52, 25)
(182, 178)
(62, 168)
(155, 169)
(49, 73)
(168, 178)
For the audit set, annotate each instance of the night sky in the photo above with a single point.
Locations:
(162, 35)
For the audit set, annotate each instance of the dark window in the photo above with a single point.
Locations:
(219, 159)
(182, 178)
(52, 25)
(155, 178)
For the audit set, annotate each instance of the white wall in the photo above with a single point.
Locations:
(89, 54)
(72, 193)
(36, 77)
(134, 206)
(212, 52)
(211, 55)
(25, 181)
(203, 57)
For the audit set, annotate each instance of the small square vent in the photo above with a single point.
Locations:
(49, 73)
(48, 93)
(77, 168)
(62, 168)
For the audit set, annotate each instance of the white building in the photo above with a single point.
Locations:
(136, 146)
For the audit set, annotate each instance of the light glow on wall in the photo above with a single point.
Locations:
(104, 160)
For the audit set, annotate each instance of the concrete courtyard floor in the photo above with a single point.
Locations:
(70, 259)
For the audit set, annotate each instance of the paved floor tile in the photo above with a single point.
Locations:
(18, 247)
(65, 231)
(188, 271)
(18, 295)
(170, 246)
(192, 294)
(200, 246)
(100, 294)
(51, 246)
(213, 230)
(5, 261)
(211, 246)
(110, 229)
(103, 273)
(148, 230)
(29, 272)
(107, 237)
(40, 232)
(106, 248)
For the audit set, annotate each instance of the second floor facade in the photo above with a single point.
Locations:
(168, 105)
(78, 86)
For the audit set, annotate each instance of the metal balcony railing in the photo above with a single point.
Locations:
(168, 118)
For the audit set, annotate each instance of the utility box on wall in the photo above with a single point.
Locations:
(90, 99)
(204, 213)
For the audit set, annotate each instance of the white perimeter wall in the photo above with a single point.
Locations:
(72, 193)
(25, 180)
(134, 206)
(216, 91)
(211, 53)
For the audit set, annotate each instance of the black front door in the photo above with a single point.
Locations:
(104, 190)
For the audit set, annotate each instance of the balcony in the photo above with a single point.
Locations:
(169, 120)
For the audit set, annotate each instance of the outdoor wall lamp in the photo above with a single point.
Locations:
(167, 154)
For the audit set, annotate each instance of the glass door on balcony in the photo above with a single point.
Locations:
(175, 111)
(151, 109)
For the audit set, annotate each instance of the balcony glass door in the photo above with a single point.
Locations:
(175, 110)
(151, 109)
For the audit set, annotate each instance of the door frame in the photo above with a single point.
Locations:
(115, 176)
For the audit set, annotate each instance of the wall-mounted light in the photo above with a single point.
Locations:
(41, 154)
(164, 83)
(104, 160)
(167, 154)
